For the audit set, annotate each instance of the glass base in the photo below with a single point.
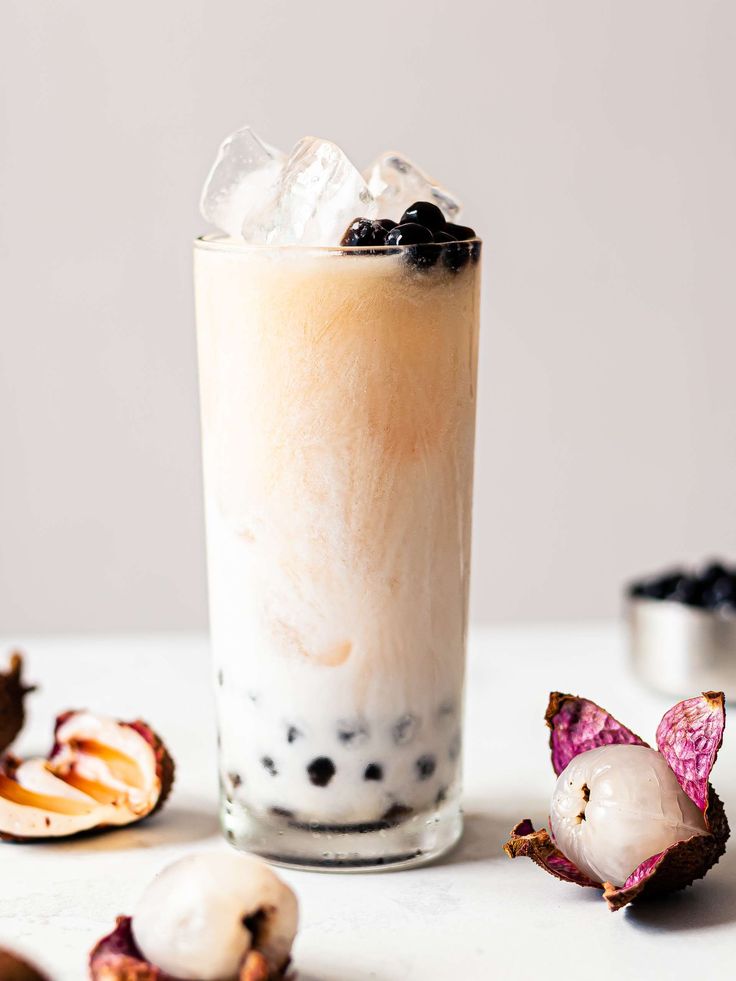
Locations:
(415, 840)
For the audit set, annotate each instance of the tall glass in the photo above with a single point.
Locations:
(338, 391)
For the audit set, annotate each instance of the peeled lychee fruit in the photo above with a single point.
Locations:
(633, 821)
(101, 773)
(615, 806)
(12, 694)
(202, 915)
(216, 916)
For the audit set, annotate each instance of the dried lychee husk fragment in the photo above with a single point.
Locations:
(101, 773)
(15, 968)
(117, 958)
(12, 693)
(210, 917)
(647, 819)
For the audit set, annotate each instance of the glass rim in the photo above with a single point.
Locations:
(220, 242)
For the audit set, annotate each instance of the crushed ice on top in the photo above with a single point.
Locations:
(260, 195)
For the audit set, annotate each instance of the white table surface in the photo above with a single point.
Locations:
(475, 916)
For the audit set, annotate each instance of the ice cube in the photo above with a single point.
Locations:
(239, 195)
(320, 192)
(396, 182)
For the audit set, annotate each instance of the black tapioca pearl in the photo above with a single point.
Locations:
(409, 234)
(396, 813)
(364, 233)
(374, 771)
(352, 733)
(475, 252)
(359, 232)
(456, 255)
(446, 710)
(424, 213)
(421, 251)
(269, 766)
(282, 812)
(460, 233)
(292, 734)
(320, 771)
(425, 766)
(404, 729)
(423, 256)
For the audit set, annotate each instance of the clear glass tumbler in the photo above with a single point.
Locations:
(338, 393)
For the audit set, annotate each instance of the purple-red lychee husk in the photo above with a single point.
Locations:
(117, 958)
(689, 737)
(577, 725)
(680, 865)
(12, 694)
(525, 842)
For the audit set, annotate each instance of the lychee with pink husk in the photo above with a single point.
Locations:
(625, 818)
(212, 916)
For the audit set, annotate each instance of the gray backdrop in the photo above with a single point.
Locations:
(594, 145)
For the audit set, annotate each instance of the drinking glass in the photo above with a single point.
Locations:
(338, 394)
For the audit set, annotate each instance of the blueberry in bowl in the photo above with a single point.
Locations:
(682, 628)
(711, 588)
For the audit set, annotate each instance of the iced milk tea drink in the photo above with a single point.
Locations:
(338, 394)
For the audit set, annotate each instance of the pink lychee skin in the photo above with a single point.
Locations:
(578, 725)
(117, 957)
(643, 871)
(689, 737)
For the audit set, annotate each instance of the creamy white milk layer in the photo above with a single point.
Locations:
(338, 406)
